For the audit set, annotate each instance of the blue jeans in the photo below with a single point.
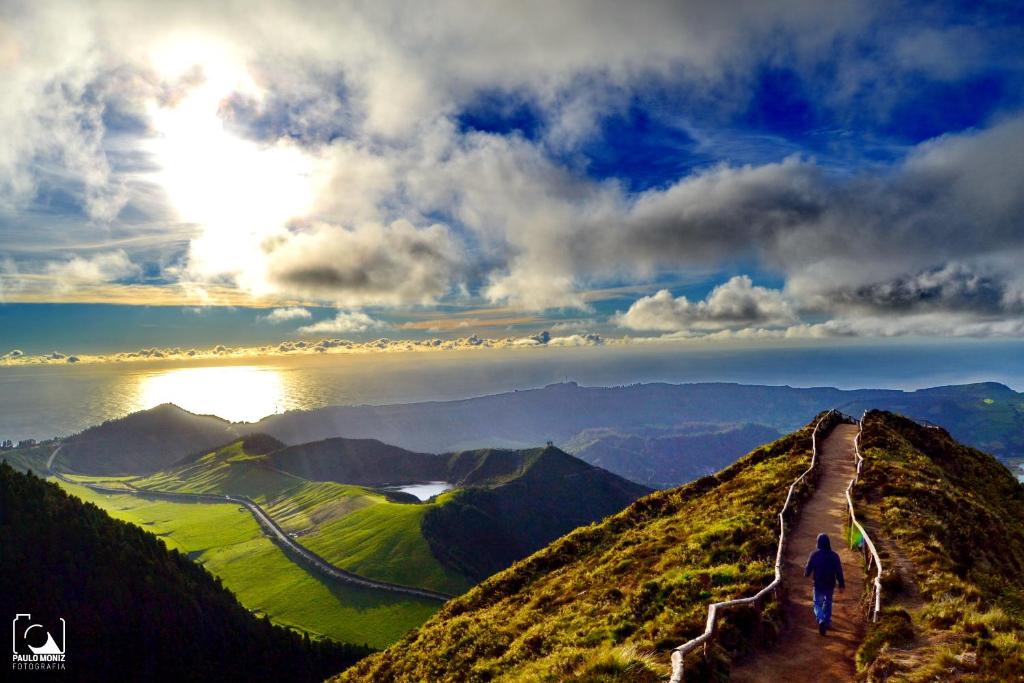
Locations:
(823, 606)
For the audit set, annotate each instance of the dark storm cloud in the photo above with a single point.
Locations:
(369, 265)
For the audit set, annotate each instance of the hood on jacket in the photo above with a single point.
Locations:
(823, 542)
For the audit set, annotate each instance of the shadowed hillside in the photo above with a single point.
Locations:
(608, 601)
(663, 458)
(366, 462)
(143, 442)
(950, 520)
(483, 529)
(129, 602)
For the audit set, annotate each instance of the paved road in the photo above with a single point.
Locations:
(803, 654)
(49, 461)
(299, 552)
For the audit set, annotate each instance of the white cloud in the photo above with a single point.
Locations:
(343, 323)
(331, 167)
(283, 315)
(736, 304)
(78, 271)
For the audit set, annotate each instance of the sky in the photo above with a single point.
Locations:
(254, 175)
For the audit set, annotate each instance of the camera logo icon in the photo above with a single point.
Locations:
(31, 637)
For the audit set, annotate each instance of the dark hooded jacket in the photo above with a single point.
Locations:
(824, 564)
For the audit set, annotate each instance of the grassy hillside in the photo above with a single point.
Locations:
(371, 463)
(352, 527)
(950, 522)
(537, 496)
(227, 541)
(515, 502)
(143, 442)
(608, 601)
(150, 610)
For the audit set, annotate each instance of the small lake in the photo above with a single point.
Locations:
(422, 491)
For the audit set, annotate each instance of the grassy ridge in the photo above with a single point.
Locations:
(227, 541)
(950, 522)
(608, 601)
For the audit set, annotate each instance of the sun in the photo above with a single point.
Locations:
(235, 393)
(239, 192)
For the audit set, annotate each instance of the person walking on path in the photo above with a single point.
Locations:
(824, 564)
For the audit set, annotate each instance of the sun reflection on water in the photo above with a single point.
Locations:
(236, 393)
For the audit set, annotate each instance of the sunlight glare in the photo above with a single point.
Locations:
(236, 393)
(240, 192)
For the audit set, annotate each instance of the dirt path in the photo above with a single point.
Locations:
(803, 654)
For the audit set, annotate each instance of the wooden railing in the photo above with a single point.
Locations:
(871, 558)
(827, 421)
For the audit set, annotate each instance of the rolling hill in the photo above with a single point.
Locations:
(484, 528)
(366, 462)
(607, 602)
(143, 442)
(226, 540)
(151, 612)
(508, 504)
(351, 526)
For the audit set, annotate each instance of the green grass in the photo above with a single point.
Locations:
(352, 527)
(228, 470)
(608, 601)
(310, 504)
(228, 542)
(950, 525)
(385, 541)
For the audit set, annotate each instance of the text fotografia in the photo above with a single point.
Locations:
(37, 646)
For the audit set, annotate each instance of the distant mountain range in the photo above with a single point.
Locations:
(654, 434)
(989, 416)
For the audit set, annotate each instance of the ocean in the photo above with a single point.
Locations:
(55, 400)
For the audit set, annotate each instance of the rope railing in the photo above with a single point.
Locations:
(829, 419)
(871, 557)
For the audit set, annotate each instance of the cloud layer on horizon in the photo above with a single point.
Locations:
(363, 156)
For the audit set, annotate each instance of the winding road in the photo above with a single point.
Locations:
(49, 461)
(298, 552)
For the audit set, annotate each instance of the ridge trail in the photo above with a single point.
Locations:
(802, 653)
